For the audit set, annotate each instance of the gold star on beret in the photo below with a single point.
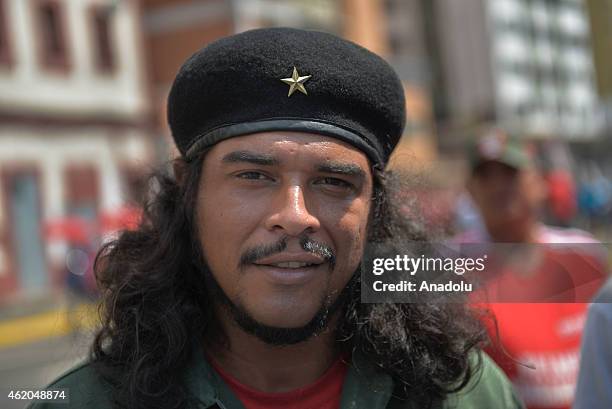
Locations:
(296, 82)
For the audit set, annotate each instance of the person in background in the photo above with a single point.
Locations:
(466, 215)
(595, 196)
(536, 344)
(556, 166)
(594, 389)
(562, 196)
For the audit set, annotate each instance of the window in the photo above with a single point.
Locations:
(52, 36)
(5, 52)
(101, 26)
(82, 192)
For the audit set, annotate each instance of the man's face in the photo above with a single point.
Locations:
(282, 221)
(507, 197)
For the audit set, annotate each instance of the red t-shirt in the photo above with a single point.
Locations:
(322, 394)
(542, 340)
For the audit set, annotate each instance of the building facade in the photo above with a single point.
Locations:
(73, 129)
(526, 64)
(600, 13)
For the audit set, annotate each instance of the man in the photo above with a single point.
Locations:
(538, 341)
(594, 387)
(241, 288)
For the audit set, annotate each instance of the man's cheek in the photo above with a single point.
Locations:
(353, 244)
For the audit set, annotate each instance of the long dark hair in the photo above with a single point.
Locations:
(155, 303)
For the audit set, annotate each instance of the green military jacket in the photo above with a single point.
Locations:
(364, 388)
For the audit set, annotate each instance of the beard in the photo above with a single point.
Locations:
(271, 335)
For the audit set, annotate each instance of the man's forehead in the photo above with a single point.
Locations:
(274, 148)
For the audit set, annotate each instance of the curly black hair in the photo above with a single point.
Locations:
(155, 303)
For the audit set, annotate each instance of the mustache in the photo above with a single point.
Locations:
(318, 248)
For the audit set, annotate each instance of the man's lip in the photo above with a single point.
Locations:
(287, 257)
(288, 276)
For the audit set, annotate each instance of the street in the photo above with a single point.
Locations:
(34, 365)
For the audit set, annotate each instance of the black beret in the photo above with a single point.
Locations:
(285, 79)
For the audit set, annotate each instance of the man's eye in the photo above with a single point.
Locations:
(335, 182)
(252, 176)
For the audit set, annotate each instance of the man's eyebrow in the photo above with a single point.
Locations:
(348, 169)
(250, 157)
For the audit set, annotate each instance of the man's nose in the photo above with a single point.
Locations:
(290, 212)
